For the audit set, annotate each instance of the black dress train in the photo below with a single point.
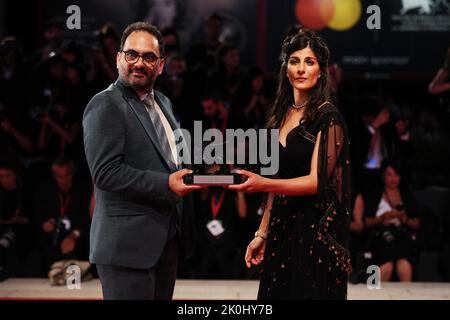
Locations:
(306, 255)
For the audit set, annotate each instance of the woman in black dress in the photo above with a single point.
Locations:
(303, 234)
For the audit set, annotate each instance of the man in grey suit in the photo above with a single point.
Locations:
(141, 217)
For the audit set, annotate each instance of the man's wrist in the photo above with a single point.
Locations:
(75, 234)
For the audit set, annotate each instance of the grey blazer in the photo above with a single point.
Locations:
(133, 204)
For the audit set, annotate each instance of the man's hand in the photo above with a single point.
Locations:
(176, 183)
(46, 119)
(223, 111)
(49, 225)
(381, 119)
(5, 125)
(402, 216)
(68, 243)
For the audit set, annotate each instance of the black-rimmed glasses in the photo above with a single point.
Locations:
(132, 57)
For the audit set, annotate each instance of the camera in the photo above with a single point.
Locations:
(37, 112)
(57, 234)
(388, 235)
(60, 231)
(7, 238)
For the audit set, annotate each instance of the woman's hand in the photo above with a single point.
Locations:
(46, 120)
(390, 215)
(255, 252)
(402, 216)
(254, 182)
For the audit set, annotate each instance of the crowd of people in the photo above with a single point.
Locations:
(46, 198)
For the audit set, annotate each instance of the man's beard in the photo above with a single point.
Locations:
(140, 83)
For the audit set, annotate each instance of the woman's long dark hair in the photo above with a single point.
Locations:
(294, 41)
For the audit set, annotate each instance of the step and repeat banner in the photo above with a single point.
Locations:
(371, 39)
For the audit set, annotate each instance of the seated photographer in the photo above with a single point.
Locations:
(62, 209)
(390, 216)
(220, 214)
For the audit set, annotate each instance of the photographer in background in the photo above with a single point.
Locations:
(60, 132)
(13, 70)
(15, 139)
(15, 234)
(62, 208)
(390, 217)
(372, 140)
(250, 101)
(102, 58)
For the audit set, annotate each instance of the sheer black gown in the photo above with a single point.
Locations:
(306, 255)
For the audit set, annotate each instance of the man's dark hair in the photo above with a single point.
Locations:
(108, 30)
(63, 162)
(214, 16)
(393, 163)
(214, 95)
(53, 24)
(13, 165)
(144, 27)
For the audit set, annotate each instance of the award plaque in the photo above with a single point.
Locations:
(214, 175)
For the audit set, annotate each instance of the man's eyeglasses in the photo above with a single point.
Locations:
(132, 57)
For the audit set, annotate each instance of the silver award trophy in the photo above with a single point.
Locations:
(216, 174)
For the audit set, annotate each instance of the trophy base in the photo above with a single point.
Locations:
(212, 180)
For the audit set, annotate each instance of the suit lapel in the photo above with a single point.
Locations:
(138, 108)
(166, 111)
(171, 118)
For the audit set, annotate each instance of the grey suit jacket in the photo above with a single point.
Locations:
(133, 204)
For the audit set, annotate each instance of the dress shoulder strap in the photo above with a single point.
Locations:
(325, 103)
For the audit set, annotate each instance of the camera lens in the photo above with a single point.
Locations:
(388, 236)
